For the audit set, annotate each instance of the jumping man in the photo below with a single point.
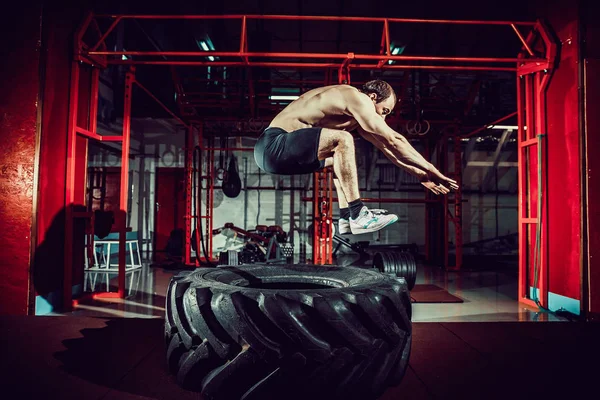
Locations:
(312, 132)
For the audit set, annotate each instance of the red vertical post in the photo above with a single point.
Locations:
(443, 153)
(211, 206)
(529, 193)
(92, 127)
(540, 118)
(316, 225)
(322, 220)
(532, 213)
(458, 200)
(94, 100)
(70, 187)
(210, 187)
(124, 190)
(327, 213)
(521, 192)
(189, 170)
(427, 210)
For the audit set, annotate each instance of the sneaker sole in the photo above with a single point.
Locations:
(360, 231)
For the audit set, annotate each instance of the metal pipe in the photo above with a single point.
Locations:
(310, 55)
(520, 193)
(160, 103)
(476, 131)
(243, 40)
(522, 39)
(189, 172)
(434, 67)
(542, 80)
(458, 205)
(229, 148)
(308, 65)
(387, 200)
(124, 188)
(112, 138)
(93, 118)
(318, 18)
(86, 133)
(105, 35)
(70, 188)
(528, 142)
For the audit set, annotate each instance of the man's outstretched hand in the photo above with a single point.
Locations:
(438, 183)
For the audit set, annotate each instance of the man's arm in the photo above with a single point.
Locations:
(362, 109)
(417, 172)
(433, 181)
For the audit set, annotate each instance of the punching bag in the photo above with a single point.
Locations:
(232, 184)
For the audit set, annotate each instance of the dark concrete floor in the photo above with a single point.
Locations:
(73, 357)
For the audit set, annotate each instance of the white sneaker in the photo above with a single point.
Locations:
(344, 227)
(344, 224)
(368, 221)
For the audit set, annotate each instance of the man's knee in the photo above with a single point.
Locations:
(345, 138)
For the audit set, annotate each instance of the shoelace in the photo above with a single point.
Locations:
(379, 211)
(375, 212)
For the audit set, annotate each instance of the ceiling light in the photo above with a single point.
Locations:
(504, 127)
(283, 97)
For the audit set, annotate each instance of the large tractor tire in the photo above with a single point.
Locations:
(288, 332)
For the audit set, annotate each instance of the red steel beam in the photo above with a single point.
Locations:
(80, 32)
(189, 173)
(309, 65)
(105, 35)
(385, 47)
(210, 205)
(230, 148)
(88, 134)
(70, 187)
(112, 138)
(124, 189)
(93, 117)
(243, 41)
(458, 248)
(317, 18)
(522, 39)
(476, 131)
(338, 56)
(542, 80)
(160, 103)
(528, 142)
(385, 200)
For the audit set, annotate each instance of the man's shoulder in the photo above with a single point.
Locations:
(347, 89)
(345, 93)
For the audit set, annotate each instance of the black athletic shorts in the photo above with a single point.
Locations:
(282, 153)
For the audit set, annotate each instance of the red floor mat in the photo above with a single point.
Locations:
(432, 294)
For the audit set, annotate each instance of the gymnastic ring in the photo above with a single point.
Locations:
(408, 129)
(417, 129)
(426, 130)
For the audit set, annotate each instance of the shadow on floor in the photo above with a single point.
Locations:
(125, 356)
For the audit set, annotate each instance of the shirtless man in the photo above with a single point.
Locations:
(312, 132)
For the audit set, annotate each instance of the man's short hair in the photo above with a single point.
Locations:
(382, 90)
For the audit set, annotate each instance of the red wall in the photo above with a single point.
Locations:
(592, 177)
(18, 121)
(564, 166)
